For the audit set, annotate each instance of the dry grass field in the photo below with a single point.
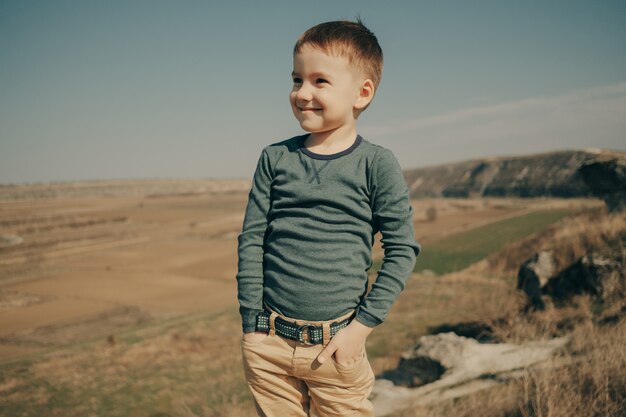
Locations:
(123, 303)
(588, 378)
(88, 266)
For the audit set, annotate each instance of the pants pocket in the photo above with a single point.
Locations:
(352, 368)
(249, 344)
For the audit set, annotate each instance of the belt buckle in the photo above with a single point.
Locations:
(300, 332)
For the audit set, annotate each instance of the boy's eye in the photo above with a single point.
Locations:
(297, 80)
(321, 81)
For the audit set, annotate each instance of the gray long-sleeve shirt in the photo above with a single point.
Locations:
(308, 230)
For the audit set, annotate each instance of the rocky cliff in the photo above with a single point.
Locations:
(550, 174)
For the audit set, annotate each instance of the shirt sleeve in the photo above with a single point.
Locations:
(392, 214)
(250, 245)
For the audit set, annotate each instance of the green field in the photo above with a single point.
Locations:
(458, 251)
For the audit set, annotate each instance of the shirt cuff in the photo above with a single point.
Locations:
(248, 322)
(367, 319)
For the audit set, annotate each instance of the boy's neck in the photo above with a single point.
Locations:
(332, 141)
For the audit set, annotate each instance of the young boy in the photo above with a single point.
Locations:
(316, 202)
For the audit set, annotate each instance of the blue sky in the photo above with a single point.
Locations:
(191, 89)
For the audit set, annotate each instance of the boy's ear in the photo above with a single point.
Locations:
(366, 94)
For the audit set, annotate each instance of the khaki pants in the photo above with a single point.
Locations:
(286, 380)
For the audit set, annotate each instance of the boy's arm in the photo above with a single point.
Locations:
(250, 245)
(393, 216)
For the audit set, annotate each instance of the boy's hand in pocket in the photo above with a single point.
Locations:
(347, 344)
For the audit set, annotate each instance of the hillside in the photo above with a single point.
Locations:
(550, 174)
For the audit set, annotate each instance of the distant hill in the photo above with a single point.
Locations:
(148, 188)
(549, 174)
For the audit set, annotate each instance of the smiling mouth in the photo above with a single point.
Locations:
(308, 109)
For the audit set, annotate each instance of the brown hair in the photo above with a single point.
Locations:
(349, 39)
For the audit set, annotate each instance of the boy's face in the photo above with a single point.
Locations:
(326, 91)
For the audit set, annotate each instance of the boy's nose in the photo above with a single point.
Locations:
(303, 93)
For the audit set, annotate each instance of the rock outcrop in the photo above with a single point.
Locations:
(601, 276)
(607, 180)
(598, 275)
(553, 174)
(533, 275)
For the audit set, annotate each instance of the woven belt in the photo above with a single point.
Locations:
(297, 332)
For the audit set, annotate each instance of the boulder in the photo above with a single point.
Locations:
(534, 274)
(598, 275)
(415, 371)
